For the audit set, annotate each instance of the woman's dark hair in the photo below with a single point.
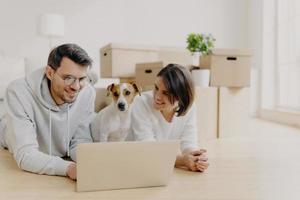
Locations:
(179, 84)
(71, 51)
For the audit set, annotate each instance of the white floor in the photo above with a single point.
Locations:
(262, 163)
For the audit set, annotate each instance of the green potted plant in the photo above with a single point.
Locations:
(199, 44)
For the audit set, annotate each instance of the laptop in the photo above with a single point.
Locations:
(120, 165)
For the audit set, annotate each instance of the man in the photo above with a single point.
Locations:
(49, 112)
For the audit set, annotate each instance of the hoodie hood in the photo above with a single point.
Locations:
(37, 82)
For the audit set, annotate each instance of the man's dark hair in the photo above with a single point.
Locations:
(179, 84)
(71, 51)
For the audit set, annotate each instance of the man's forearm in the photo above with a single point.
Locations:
(37, 162)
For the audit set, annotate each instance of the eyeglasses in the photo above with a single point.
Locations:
(70, 80)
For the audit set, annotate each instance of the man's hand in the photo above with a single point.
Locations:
(71, 171)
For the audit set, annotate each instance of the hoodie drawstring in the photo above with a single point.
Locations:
(68, 131)
(50, 132)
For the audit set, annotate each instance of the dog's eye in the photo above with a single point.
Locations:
(127, 93)
(116, 94)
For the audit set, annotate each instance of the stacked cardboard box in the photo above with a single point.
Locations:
(178, 55)
(119, 60)
(146, 74)
(230, 71)
(206, 102)
(102, 99)
(228, 67)
(233, 111)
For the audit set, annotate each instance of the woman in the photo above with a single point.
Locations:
(169, 113)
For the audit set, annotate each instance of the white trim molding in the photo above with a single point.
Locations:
(291, 118)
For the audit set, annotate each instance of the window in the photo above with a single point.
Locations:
(287, 54)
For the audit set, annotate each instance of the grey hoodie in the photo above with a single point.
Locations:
(38, 132)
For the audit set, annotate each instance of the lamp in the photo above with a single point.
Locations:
(52, 25)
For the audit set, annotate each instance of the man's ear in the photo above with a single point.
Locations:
(109, 88)
(137, 88)
(49, 72)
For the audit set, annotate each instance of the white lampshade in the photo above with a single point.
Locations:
(52, 25)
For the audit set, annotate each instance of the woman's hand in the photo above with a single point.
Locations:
(194, 160)
(201, 163)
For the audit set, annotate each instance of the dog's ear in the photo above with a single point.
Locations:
(136, 88)
(109, 88)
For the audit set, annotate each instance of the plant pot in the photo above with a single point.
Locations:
(196, 59)
(201, 77)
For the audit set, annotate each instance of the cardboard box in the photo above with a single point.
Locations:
(178, 55)
(228, 67)
(206, 102)
(118, 60)
(101, 100)
(233, 111)
(127, 80)
(146, 74)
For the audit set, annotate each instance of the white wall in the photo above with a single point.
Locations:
(268, 83)
(94, 23)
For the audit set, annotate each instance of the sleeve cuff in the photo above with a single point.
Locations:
(61, 167)
(186, 145)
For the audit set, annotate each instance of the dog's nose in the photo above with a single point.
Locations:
(121, 106)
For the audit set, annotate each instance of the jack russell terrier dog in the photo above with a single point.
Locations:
(113, 122)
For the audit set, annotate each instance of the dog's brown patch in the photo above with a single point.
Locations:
(127, 90)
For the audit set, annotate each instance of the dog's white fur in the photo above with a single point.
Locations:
(112, 124)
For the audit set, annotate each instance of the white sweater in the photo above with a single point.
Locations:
(148, 124)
